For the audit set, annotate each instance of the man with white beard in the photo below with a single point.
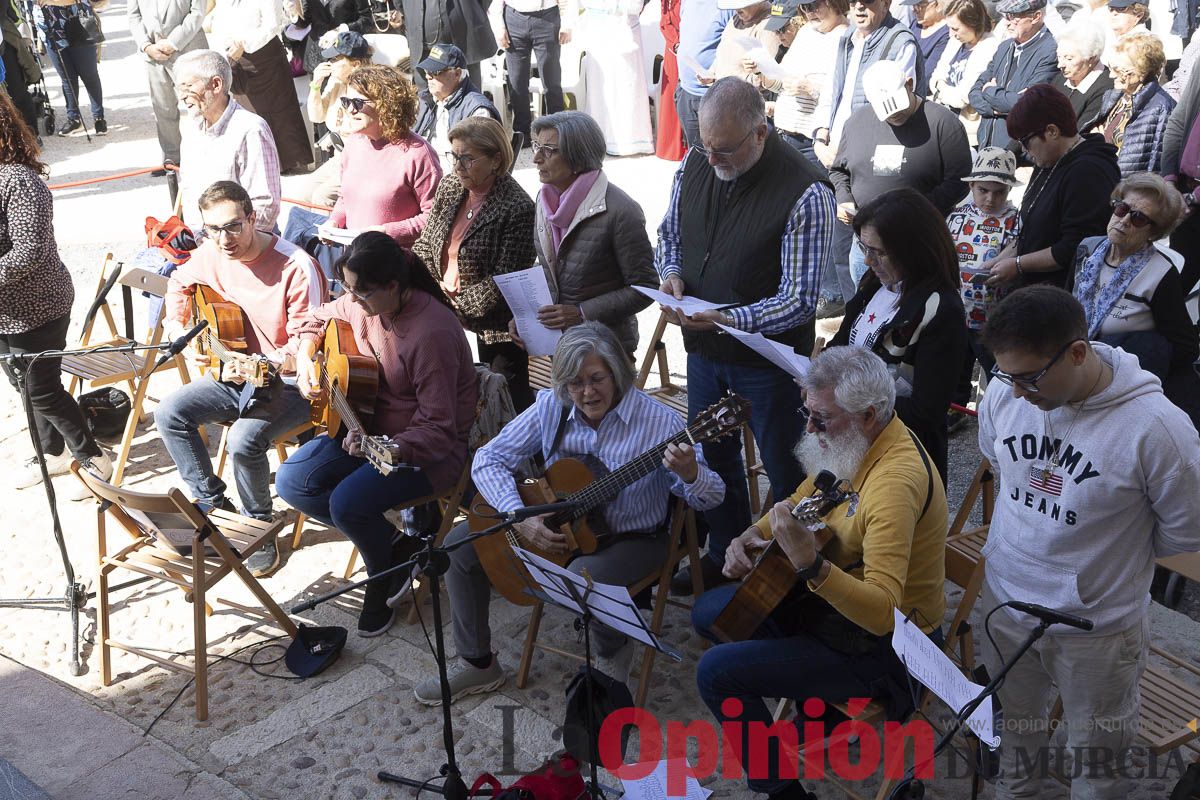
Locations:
(222, 141)
(883, 550)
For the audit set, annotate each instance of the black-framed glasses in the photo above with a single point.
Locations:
(724, 155)
(1121, 210)
(1030, 383)
(549, 150)
(233, 228)
(1029, 137)
(354, 104)
(463, 160)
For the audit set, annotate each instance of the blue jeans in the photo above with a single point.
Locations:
(251, 436)
(781, 662)
(774, 400)
(858, 261)
(71, 64)
(843, 239)
(345, 492)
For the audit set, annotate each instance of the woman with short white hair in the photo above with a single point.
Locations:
(1082, 78)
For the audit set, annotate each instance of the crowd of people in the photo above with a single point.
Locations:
(836, 160)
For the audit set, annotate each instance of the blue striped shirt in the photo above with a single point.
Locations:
(806, 245)
(638, 423)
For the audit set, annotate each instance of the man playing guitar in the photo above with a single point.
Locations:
(883, 550)
(592, 409)
(275, 284)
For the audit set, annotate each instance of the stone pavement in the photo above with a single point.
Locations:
(270, 736)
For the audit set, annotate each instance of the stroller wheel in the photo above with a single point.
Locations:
(48, 123)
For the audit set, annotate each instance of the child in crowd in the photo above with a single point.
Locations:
(981, 227)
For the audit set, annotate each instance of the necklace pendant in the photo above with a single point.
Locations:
(470, 213)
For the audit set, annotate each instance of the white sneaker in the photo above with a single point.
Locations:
(100, 466)
(30, 474)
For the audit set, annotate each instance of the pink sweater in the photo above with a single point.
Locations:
(427, 385)
(275, 291)
(387, 183)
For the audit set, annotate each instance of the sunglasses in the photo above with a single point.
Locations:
(354, 104)
(1030, 383)
(1122, 209)
(1021, 15)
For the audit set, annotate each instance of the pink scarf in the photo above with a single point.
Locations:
(560, 207)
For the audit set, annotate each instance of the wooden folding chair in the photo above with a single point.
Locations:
(682, 543)
(132, 369)
(225, 540)
(964, 570)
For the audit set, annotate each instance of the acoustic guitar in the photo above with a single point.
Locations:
(349, 384)
(773, 576)
(572, 480)
(224, 340)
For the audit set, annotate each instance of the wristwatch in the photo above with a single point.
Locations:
(812, 570)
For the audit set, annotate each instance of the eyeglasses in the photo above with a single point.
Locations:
(819, 423)
(550, 150)
(232, 228)
(441, 73)
(724, 155)
(862, 2)
(1121, 209)
(360, 295)
(462, 160)
(579, 385)
(875, 253)
(354, 104)
(1030, 384)
(1022, 15)
(1029, 137)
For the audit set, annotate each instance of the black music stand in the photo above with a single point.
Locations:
(589, 601)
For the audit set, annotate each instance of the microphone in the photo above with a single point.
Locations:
(177, 346)
(1051, 616)
(520, 514)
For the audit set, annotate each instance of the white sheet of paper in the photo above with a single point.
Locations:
(654, 785)
(777, 353)
(695, 65)
(527, 291)
(337, 235)
(688, 305)
(928, 664)
(614, 601)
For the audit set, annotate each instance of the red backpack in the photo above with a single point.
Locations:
(557, 779)
(173, 238)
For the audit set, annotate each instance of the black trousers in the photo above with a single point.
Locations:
(534, 33)
(512, 362)
(57, 416)
(18, 89)
(1186, 241)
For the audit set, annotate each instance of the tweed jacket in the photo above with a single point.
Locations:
(604, 252)
(1142, 148)
(498, 240)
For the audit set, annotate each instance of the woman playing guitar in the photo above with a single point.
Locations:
(591, 412)
(425, 403)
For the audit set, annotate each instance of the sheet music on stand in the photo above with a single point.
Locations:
(608, 604)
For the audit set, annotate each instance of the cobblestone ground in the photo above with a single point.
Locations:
(269, 736)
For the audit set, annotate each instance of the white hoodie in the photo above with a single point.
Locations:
(1130, 481)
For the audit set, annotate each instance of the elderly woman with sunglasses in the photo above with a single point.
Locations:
(1129, 288)
(481, 225)
(590, 236)
(389, 174)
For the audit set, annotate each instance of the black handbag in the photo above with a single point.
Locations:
(106, 412)
(83, 27)
(608, 695)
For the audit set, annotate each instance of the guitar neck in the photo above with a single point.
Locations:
(337, 399)
(609, 486)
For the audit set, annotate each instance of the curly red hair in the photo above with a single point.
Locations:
(392, 94)
(18, 145)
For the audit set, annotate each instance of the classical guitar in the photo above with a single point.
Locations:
(349, 384)
(572, 480)
(773, 576)
(224, 340)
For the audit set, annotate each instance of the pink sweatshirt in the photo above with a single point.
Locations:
(427, 385)
(387, 183)
(275, 291)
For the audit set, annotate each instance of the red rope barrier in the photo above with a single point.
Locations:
(173, 168)
(963, 410)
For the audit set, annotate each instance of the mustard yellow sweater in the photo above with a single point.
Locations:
(902, 558)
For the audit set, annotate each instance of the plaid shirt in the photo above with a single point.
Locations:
(806, 246)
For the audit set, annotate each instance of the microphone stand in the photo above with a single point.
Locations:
(910, 787)
(433, 563)
(75, 596)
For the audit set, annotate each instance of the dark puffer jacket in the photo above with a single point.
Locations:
(604, 252)
(1142, 148)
